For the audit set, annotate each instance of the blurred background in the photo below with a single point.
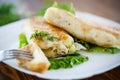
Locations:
(12, 10)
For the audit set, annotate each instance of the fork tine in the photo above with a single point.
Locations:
(20, 51)
(19, 54)
(23, 55)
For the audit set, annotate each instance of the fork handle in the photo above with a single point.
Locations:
(1, 55)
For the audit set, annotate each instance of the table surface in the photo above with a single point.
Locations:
(106, 8)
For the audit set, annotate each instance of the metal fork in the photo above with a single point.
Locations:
(14, 53)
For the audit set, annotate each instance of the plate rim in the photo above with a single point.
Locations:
(41, 76)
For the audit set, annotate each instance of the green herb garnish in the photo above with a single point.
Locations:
(42, 11)
(39, 34)
(67, 61)
(66, 6)
(52, 38)
(94, 48)
(42, 34)
(22, 40)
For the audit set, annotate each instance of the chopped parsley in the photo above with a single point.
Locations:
(39, 34)
(42, 34)
(52, 38)
(67, 61)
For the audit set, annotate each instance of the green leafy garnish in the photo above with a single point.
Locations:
(66, 6)
(42, 11)
(7, 15)
(111, 50)
(94, 48)
(52, 38)
(42, 34)
(39, 34)
(22, 40)
(67, 61)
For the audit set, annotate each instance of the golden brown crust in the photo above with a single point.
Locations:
(102, 35)
(60, 45)
(39, 63)
(37, 67)
(38, 23)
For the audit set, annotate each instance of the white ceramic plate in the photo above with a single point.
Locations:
(98, 63)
